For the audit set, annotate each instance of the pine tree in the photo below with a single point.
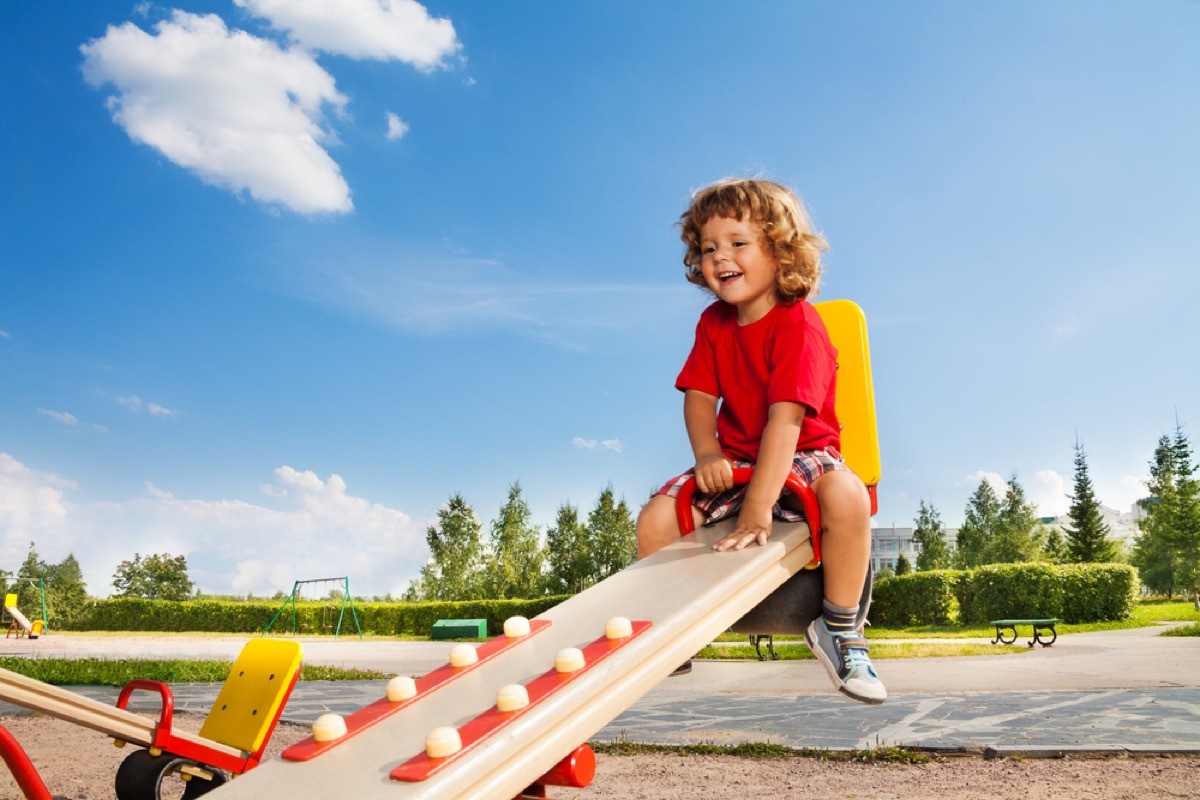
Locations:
(1055, 548)
(929, 536)
(1018, 534)
(1153, 554)
(981, 518)
(1185, 530)
(567, 553)
(612, 536)
(455, 567)
(902, 565)
(514, 565)
(1087, 536)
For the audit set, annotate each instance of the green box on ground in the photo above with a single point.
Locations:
(459, 629)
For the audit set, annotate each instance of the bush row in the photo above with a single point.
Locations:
(306, 617)
(1072, 592)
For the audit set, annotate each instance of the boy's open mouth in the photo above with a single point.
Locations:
(726, 277)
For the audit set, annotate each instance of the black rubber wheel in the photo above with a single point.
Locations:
(142, 776)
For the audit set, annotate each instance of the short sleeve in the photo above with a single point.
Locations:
(803, 361)
(700, 370)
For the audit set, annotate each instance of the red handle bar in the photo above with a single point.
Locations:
(742, 475)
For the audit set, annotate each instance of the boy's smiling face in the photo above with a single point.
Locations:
(738, 266)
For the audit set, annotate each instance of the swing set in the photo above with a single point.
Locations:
(331, 618)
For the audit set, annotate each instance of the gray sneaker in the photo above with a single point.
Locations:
(844, 656)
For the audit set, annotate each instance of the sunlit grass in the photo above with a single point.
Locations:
(788, 651)
(118, 672)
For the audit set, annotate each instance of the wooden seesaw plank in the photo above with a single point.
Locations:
(689, 592)
(421, 767)
(381, 709)
(54, 701)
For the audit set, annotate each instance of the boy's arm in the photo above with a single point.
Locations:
(775, 454)
(714, 472)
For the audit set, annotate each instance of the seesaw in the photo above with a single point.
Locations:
(453, 734)
(231, 740)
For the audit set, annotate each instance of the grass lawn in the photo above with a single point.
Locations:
(119, 671)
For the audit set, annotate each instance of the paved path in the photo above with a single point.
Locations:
(1120, 690)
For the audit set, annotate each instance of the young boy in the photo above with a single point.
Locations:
(759, 389)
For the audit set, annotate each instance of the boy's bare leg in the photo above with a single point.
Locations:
(845, 556)
(845, 535)
(657, 525)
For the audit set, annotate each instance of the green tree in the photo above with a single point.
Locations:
(160, 576)
(612, 536)
(979, 524)
(1153, 554)
(516, 559)
(1018, 532)
(902, 565)
(1170, 539)
(1087, 536)
(567, 553)
(455, 567)
(930, 537)
(65, 590)
(1054, 549)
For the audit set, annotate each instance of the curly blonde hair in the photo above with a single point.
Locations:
(786, 230)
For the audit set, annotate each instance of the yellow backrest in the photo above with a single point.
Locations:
(847, 326)
(10, 601)
(253, 694)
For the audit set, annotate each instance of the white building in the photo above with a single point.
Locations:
(1122, 526)
(888, 543)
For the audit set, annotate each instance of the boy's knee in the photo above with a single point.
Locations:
(841, 493)
(657, 526)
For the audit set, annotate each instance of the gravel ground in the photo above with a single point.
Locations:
(78, 763)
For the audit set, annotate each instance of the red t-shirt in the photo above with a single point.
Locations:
(785, 356)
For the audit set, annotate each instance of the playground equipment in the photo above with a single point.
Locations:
(19, 625)
(231, 740)
(447, 736)
(327, 623)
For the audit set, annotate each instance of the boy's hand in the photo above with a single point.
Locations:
(714, 473)
(752, 526)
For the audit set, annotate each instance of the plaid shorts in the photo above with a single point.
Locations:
(808, 464)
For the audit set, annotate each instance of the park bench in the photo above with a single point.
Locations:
(1040, 628)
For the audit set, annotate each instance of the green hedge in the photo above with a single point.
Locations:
(380, 619)
(1073, 592)
(918, 598)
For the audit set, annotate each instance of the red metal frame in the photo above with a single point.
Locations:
(166, 740)
(742, 475)
(474, 731)
(22, 769)
(383, 708)
(576, 770)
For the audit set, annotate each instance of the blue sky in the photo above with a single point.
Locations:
(278, 278)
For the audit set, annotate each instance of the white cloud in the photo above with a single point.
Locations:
(31, 508)
(1048, 491)
(161, 411)
(237, 110)
(134, 403)
(616, 445)
(384, 30)
(5, 335)
(396, 127)
(999, 484)
(303, 527)
(66, 418)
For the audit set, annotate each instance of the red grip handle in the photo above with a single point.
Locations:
(742, 475)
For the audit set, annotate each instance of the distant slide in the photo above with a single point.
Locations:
(10, 605)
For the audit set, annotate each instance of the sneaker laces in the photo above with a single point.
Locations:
(854, 652)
